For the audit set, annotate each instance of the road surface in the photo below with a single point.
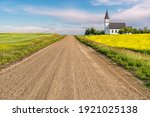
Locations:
(69, 70)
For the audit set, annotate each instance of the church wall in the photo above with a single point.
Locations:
(107, 31)
(114, 31)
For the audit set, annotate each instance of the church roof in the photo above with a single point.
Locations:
(107, 15)
(117, 25)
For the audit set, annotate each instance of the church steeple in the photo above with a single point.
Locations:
(107, 15)
(106, 23)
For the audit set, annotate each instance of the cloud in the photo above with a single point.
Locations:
(113, 2)
(71, 15)
(138, 15)
(35, 29)
(22, 29)
(69, 21)
(9, 10)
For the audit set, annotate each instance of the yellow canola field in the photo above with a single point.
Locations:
(136, 41)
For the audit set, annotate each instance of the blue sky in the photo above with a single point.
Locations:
(70, 16)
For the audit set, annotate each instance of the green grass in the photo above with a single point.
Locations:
(14, 47)
(136, 63)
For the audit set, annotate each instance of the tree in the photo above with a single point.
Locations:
(121, 31)
(102, 32)
(93, 31)
(87, 32)
(128, 30)
(135, 31)
(145, 30)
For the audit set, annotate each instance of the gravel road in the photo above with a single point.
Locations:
(69, 70)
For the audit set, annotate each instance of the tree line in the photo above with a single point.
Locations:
(130, 30)
(126, 30)
(93, 31)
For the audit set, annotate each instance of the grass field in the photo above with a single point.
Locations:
(14, 47)
(113, 46)
(139, 43)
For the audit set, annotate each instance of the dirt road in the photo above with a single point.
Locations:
(69, 70)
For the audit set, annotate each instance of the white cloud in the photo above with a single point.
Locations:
(36, 29)
(22, 29)
(71, 15)
(9, 10)
(79, 20)
(72, 21)
(68, 14)
(113, 2)
(138, 15)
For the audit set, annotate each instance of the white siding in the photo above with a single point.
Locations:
(114, 31)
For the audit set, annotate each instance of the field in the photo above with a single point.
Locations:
(130, 51)
(14, 47)
(140, 43)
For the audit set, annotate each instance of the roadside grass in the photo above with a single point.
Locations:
(136, 42)
(139, 66)
(141, 51)
(14, 47)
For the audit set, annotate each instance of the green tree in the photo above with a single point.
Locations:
(93, 31)
(145, 30)
(128, 30)
(121, 31)
(102, 32)
(135, 31)
(87, 32)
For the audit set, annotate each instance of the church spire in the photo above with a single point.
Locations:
(107, 15)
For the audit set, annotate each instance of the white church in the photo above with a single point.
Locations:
(112, 27)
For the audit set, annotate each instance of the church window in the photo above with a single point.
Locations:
(116, 31)
(112, 31)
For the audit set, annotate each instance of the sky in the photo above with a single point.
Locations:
(70, 16)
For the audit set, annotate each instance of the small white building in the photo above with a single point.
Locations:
(112, 27)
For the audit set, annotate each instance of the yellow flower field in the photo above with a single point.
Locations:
(135, 42)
